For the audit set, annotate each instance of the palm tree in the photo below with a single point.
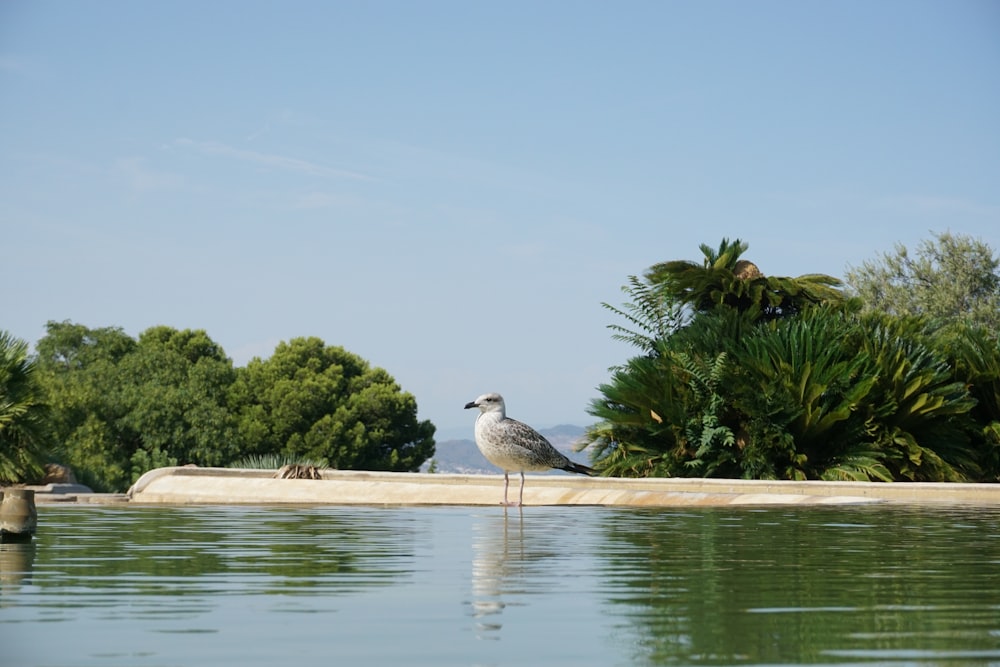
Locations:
(724, 279)
(22, 440)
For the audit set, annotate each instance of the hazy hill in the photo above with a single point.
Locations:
(462, 455)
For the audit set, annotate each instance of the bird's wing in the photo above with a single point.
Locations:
(527, 438)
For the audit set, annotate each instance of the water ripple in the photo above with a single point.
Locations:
(456, 586)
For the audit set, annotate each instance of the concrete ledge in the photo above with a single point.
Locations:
(70, 493)
(188, 485)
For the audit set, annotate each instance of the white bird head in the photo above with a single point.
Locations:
(488, 403)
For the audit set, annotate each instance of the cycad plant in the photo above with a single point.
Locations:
(661, 413)
(725, 279)
(800, 388)
(22, 425)
(975, 353)
(919, 413)
(641, 411)
(811, 391)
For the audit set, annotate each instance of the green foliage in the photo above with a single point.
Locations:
(725, 280)
(122, 406)
(705, 429)
(77, 370)
(803, 389)
(317, 401)
(67, 346)
(919, 415)
(174, 394)
(952, 277)
(653, 316)
(23, 439)
(975, 354)
(797, 391)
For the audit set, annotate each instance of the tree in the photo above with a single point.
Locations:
(952, 278)
(78, 371)
(23, 441)
(324, 403)
(67, 346)
(122, 407)
(175, 387)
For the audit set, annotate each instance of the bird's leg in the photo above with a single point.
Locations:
(506, 483)
(520, 495)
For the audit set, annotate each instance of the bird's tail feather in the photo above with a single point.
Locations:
(579, 468)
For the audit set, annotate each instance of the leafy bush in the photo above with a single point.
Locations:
(22, 414)
(793, 386)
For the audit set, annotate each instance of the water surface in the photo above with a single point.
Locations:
(136, 586)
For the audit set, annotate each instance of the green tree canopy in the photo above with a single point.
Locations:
(121, 406)
(175, 388)
(322, 402)
(78, 372)
(67, 346)
(952, 277)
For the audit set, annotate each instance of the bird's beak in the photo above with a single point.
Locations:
(471, 404)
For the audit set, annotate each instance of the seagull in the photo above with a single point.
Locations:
(514, 446)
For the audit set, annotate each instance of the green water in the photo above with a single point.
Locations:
(140, 586)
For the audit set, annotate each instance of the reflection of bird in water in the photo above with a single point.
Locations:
(514, 446)
(496, 565)
(516, 565)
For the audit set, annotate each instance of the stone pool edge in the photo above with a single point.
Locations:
(223, 486)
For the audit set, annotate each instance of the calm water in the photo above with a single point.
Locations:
(547, 586)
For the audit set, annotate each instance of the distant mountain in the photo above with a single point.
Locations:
(463, 457)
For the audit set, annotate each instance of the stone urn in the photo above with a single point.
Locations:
(18, 517)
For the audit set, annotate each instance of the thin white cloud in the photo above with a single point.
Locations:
(140, 178)
(317, 200)
(259, 132)
(932, 205)
(280, 162)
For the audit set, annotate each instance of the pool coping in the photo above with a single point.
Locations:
(190, 485)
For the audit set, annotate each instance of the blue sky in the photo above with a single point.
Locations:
(452, 189)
